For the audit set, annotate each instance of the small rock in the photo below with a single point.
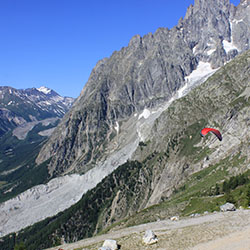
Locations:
(150, 238)
(227, 207)
(195, 215)
(174, 218)
(110, 245)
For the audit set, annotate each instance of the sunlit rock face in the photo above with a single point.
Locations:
(145, 74)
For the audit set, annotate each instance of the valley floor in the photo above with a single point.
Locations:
(220, 231)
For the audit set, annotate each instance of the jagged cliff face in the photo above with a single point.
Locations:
(176, 150)
(214, 30)
(222, 102)
(145, 74)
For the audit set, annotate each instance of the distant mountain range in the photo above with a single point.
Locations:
(20, 106)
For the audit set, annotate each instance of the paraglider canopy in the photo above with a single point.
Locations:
(204, 131)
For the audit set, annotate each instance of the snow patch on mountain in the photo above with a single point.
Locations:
(195, 48)
(145, 114)
(198, 76)
(237, 21)
(211, 51)
(211, 47)
(203, 69)
(228, 46)
(60, 98)
(44, 90)
(117, 127)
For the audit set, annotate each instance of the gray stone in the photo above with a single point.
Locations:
(174, 218)
(149, 238)
(227, 207)
(195, 215)
(110, 244)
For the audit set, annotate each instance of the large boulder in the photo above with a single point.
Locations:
(149, 238)
(109, 245)
(227, 207)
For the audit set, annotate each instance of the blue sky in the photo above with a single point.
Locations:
(56, 43)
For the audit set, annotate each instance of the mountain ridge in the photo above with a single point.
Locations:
(20, 106)
(145, 74)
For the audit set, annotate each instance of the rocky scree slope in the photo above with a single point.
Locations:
(145, 74)
(164, 163)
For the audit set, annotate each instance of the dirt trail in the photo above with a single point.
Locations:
(235, 241)
(224, 231)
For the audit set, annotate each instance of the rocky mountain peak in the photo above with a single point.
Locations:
(211, 5)
(203, 7)
(135, 41)
(144, 75)
(244, 2)
(44, 90)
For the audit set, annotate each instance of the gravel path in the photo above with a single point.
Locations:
(229, 230)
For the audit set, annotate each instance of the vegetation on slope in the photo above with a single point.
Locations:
(18, 170)
(204, 191)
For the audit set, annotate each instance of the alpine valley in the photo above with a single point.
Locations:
(129, 150)
(28, 117)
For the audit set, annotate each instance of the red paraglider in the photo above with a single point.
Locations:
(204, 131)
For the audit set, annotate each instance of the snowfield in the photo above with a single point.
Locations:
(44, 90)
